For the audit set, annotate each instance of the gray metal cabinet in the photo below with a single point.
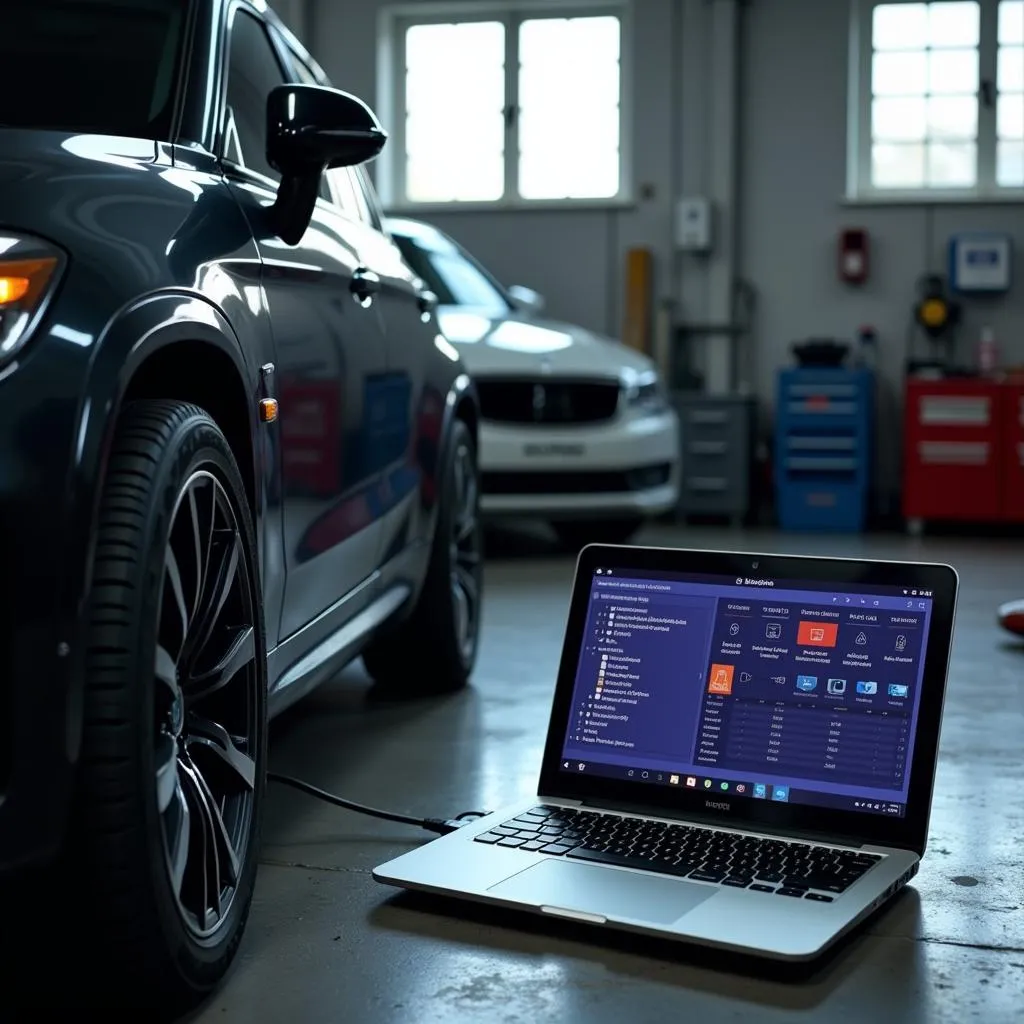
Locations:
(718, 444)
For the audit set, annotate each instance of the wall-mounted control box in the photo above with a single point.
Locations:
(693, 224)
(980, 262)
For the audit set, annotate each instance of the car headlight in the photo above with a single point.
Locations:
(29, 272)
(647, 395)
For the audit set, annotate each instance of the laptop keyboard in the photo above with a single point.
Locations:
(796, 870)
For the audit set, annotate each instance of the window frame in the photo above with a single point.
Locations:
(222, 141)
(393, 23)
(859, 186)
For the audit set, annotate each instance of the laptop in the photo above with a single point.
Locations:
(740, 754)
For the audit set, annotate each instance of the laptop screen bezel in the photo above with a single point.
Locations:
(908, 832)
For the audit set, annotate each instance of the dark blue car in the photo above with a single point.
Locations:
(235, 454)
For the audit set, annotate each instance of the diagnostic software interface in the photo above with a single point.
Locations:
(780, 690)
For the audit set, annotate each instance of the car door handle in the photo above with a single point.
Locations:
(426, 300)
(365, 284)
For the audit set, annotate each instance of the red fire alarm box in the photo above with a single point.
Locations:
(854, 256)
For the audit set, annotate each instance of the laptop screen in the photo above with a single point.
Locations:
(775, 690)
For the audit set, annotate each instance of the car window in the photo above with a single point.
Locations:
(348, 195)
(453, 277)
(376, 212)
(106, 66)
(253, 71)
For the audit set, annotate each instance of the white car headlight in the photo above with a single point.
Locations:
(29, 272)
(647, 395)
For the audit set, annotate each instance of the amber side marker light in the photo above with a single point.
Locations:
(13, 288)
(268, 410)
(24, 280)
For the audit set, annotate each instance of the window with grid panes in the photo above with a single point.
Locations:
(520, 105)
(941, 98)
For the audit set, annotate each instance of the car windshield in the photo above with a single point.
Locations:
(453, 277)
(108, 67)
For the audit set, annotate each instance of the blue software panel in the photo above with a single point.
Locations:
(809, 692)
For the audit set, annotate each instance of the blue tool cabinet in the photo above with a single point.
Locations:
(824, 448)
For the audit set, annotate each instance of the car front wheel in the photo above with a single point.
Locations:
(172, 768)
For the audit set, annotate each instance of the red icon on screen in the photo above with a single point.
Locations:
(817, 634)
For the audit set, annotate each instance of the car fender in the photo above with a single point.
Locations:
(130, 337)
(460, 391)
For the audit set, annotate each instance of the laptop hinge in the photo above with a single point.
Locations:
(564, 800)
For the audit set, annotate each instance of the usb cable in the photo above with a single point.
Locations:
(440, 826)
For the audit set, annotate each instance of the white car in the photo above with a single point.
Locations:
(576, 428)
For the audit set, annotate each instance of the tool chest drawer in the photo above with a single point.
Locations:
(717, 447)
(823, 448)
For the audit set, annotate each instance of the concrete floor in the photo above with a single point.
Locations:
(327, 943)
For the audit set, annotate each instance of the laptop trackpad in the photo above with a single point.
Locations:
(605, 892)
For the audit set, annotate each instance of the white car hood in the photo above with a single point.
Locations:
(514, 344)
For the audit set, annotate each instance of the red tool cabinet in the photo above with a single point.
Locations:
(1013, 452)
(963, 453)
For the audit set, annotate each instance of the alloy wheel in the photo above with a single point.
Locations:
(465, 549)
(206, 704)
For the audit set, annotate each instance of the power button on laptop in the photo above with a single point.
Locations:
(575, 915)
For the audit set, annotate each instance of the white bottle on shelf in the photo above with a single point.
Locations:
(988, 352)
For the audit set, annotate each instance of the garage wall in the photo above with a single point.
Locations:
(793, 151)
(791, 171)
(575, 257)
(794, 171)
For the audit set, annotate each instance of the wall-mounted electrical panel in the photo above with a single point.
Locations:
(980, 262)
(694, 216)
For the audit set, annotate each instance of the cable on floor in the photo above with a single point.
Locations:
(441, 826)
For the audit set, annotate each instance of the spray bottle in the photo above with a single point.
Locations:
(988, 351)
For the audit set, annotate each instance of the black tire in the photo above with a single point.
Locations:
(161, 751)
(434, 650)
(576, 534)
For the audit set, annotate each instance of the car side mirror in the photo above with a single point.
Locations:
(526, 299)
(309, 129)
